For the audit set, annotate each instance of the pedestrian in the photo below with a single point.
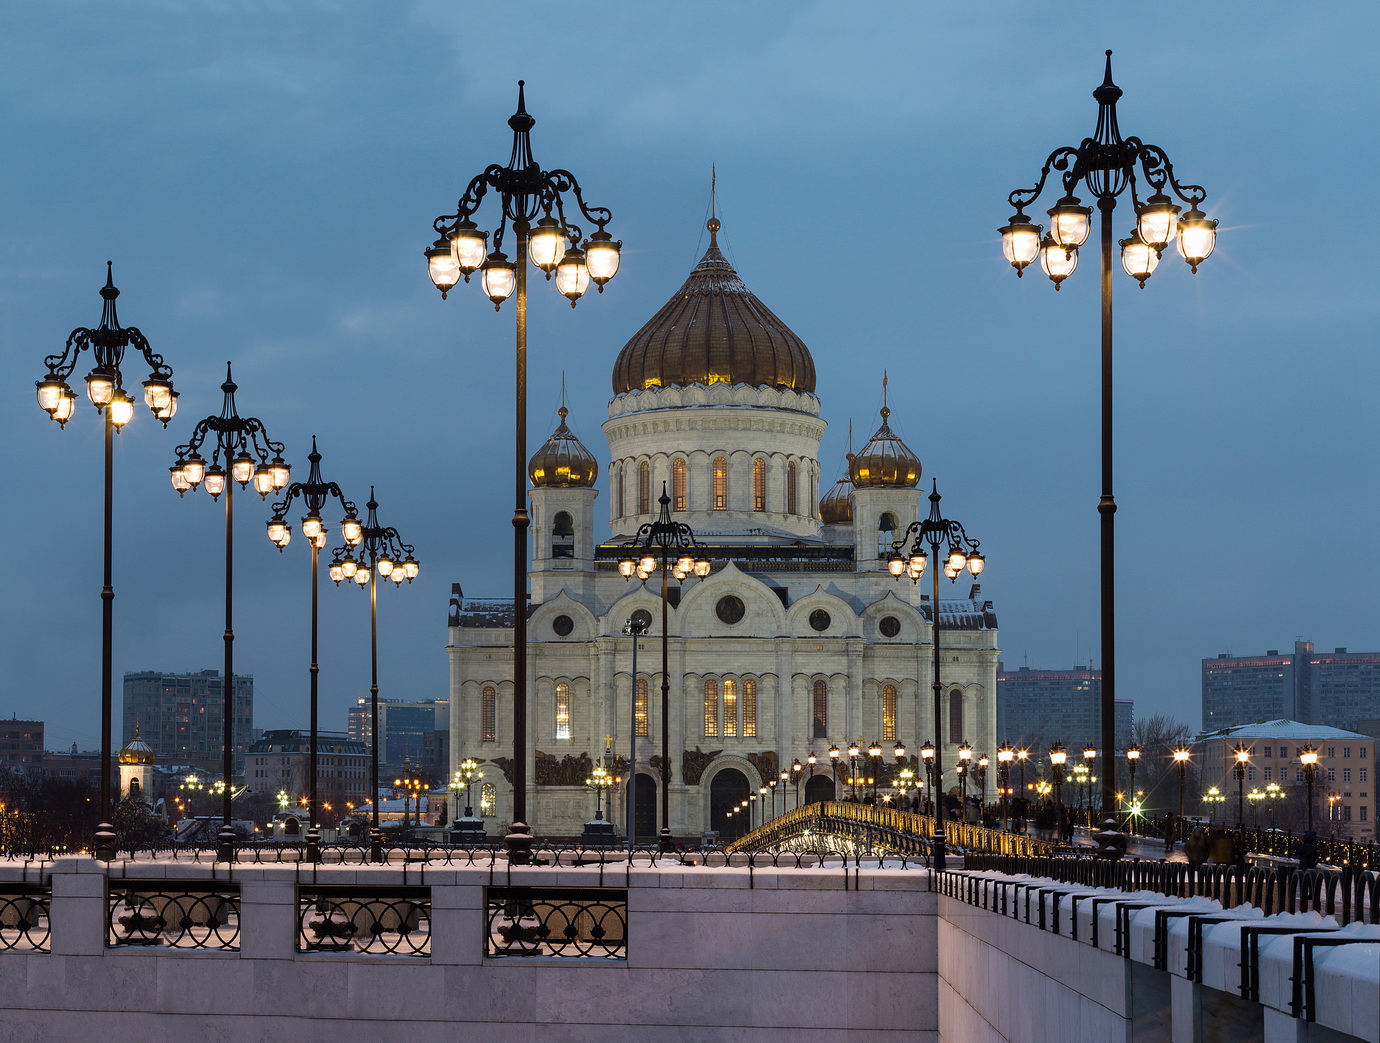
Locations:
(1067, 827)
(1306, 851)
(1196, 848)
(1170, 829)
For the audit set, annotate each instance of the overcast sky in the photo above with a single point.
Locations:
(264, 176)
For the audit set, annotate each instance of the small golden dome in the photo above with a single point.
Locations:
(885, 462)
(137, 751)
(563, 462)
(714, 331)
(837, 506)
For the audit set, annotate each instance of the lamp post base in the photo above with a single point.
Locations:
(225, 849)
(519, 844)
(376, 845)
(937, 853)
(665, 844)
(314, 845)
(104, 847)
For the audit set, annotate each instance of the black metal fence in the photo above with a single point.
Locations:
(375, 921)
(1349, 895)
(181, 914)
(24, 917)
(561, 922)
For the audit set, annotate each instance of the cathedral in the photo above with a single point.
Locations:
(798, 640)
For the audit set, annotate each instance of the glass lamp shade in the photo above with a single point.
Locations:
(242, 468)
(896, 565)
(875, 750)
(1020, 241)
(215, 480)
(397, 577)
(927, 750)
(311, 525)
(348, 567)
(643, 574)
(442, 266)
(263, 480)
(361, 577)
(1089, 752)
(678, 574)
(282, 472)
(899, 750)
(1138, 260)
(1181, 756)
(965, 752)
(976, 563)
(601, 257)
(546, 245)
(319, 540)
(1133, 754)
(685, 564)
(1058, 756)
(572, 275)
(1005, 755)
(702, 567)
(384, 565)
(833, 753)
(168, 411)
(277, 532)
(336, 572)
(469, 245)
(500, 278)
(1158, 222)
(100, 385)
(157, 394)
(1069, 223)
(50, 394)
(627, 567)
(956, 560)
(179, 479)
(1308, 756)
(352, 530)
(1058, 262)
(853, 750)
(67, 405)
(647, 564)
(411, 568)
(194, 469)
(1197, 237)
(121, 408)
(918, 563)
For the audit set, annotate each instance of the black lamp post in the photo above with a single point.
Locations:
(245, 447)
(1132, 760)
(1181, 757)
(1058, 757)
(874, 756)
(635, 627)
(1308, 757)
(534, 201)
(936, 531)
(314, 493)
(927, 751)
(1005, 754)
(1106, 164)
(382, 556)
(665, 546)
(105, 387)
(965, 765)
(983, 762)
(854, 750)
(1241, 756)
(796, 769)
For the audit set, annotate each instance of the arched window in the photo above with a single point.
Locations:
(488, 713)
(488, 800)
(640, 708)
(730, 707)
(886, 529)
(955, 716)
(820, 711)
(644, 488)
(563, 535)
(678, 484)
(720, 475)
(749, 709)
(888, 711)
(562, 710)
(619, 484)
(759, 484)
(711, 707)
(790, 488)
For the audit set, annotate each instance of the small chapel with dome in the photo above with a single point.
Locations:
(797, 640)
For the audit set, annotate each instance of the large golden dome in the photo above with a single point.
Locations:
(714, 330)
(563, 461)
(837, 506)
(885, 462)
(137, 751)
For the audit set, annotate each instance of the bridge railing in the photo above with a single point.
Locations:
(889, 828)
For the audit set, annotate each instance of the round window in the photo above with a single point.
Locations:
(890, 626)
(819, 620)
(642, 618)
(563, 625)
(730, 609)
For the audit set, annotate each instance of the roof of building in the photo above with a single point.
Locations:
(885, 462)
(1281, 729)
(294, 740)
(714, 330)
(137, 751)
(563, 461)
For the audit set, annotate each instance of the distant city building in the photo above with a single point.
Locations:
(1036, 708)
(415, 731)
(181, 716)
(1338, 688)
(21, 745)
(279, 761)
(1343, 783)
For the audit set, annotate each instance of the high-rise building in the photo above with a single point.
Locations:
(798, 639)
(411, 731)
(1037, 708)
(1337, 688)
(279, 762)
(21, 745)
(181, 716)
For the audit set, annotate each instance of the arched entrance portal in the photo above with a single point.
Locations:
(644, 812)
(728, 789)
(819, 788)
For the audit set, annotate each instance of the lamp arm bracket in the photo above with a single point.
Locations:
(1057, 160)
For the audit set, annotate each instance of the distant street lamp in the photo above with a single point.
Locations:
(796, 769)
(534, 201)
(382, 556)
(635, 627)
(834, 763)
(909, 558)
(411, 785)
(1058, 757)
(1005, 754)
(1212, 798)
(927, 752)
(874, 755)
(463, 778)
(965, 757)
(668, 547)
(1022, 756)
(854, 749)
(983, 762)
(1308, 757)
(105, 387)
(1181, 755)
(1132, 760)
(315, 493)
(245, 447)
(1241, 755)
(1106, 163)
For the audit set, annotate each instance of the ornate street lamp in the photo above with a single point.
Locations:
(1212, 798)
(463, 778)
(965, 757)
(1023, 755)
(834, 763)
(382, 556)
(1241, 757)
(909, 558)
(534, 201)
(1005, 755)
(854, 749)
(1308, 757)
(983, 763)
(105, 387)
(927, 753)
(411, 785)
(1107, 164)
(244, 446)
(635, 627)
(796, 769)
(1058, 757)
(315, 492)
(1181, 757)
(668, 547)
(874, 755)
